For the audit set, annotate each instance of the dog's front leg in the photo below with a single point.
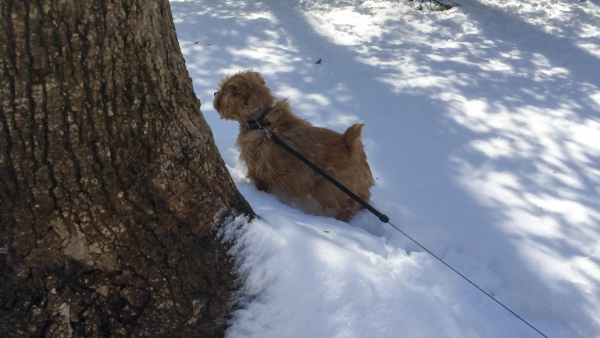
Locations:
(256, 174)
(261, 185)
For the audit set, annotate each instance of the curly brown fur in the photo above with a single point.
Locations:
(244, 97)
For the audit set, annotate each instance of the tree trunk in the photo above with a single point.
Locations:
(111, 187)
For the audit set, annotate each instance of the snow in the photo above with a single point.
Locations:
(483, 131)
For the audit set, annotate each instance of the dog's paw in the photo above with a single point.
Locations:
(262, 185)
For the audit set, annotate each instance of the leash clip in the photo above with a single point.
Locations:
(263, 129)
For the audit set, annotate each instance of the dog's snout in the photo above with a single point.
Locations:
(215, 94)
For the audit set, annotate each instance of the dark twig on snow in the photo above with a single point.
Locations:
(442, 5)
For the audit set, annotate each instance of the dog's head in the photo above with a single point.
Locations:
(242, 97)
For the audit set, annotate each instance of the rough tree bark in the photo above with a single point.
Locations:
(110, 182)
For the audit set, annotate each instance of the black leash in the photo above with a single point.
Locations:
(260, 124)
(465, 278)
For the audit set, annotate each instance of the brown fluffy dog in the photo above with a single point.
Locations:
(244, 97)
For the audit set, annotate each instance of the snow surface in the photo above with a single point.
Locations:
(483, 130)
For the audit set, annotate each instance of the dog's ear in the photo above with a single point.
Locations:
(233, 89)
(245, 91)
(239, 89)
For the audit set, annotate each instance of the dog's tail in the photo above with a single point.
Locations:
(351, 137)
